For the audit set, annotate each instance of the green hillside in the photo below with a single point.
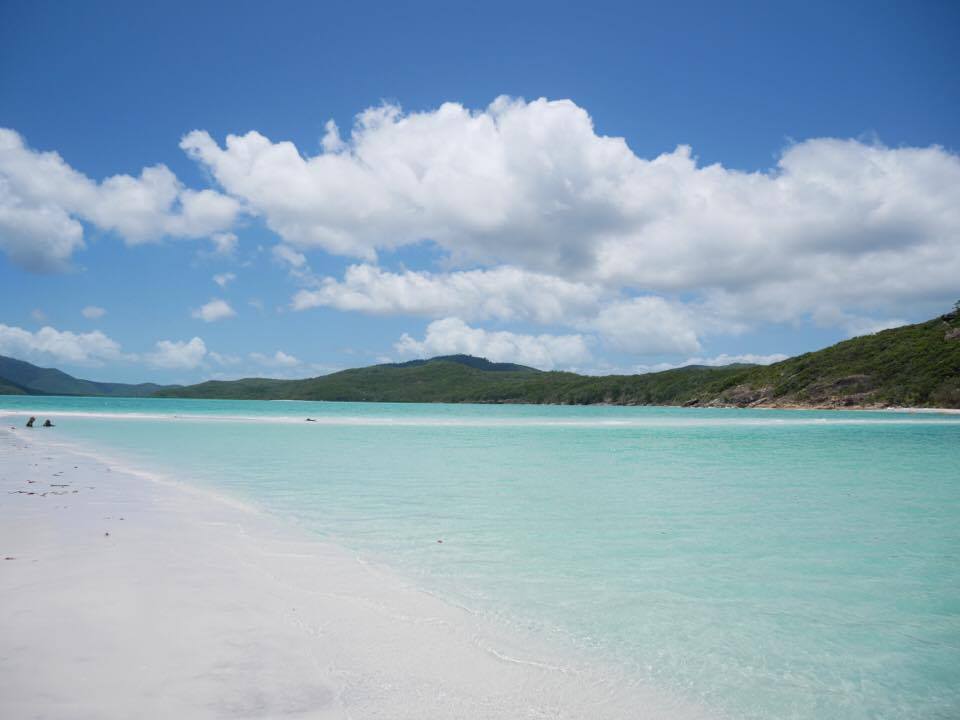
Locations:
(909, 366)
(461, 378)
(7, 388)
(18, 377)
(915, 365)
(458, 378)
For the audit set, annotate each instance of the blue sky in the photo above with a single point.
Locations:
(817, 198)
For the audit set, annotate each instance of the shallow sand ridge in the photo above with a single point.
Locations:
(129, 596)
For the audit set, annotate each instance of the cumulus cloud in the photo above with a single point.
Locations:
(223, 279)
(749, 358)
(214, 310)
(644, 325)
(43, 201)
(92, 312)
(178, 354)
(503, 293)
(451, 336)
(647, 326)
(278, 359)
(64, 346)
(835, 224)
(541, 220)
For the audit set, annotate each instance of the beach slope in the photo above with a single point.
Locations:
(126, 595)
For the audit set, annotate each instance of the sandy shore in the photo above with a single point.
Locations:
(125, 595)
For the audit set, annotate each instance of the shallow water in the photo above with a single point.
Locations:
(767, 564)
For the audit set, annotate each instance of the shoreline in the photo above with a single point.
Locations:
(707, 406)
(127, 593)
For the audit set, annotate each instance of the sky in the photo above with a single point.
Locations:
(220, 190)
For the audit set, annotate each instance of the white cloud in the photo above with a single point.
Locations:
(716, 361)
(224, 243)
(278, 359)
(647, 326)
(836, 224)
(222, 359)
(724, 359)
(542, 220)
(92, 312)
(178, 354)
(285, 254)
(503, 293)
(855, 324)
(452, 336)
(36, 237)
(43, 200)
(223, 279)
(214, 310)
(64, 346)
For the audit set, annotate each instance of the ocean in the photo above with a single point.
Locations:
(759, 563)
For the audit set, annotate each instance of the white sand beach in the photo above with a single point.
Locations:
(127, 595)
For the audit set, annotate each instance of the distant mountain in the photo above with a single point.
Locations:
(915, 365)
(476, 363)
(463, 378)
(7, 388)
(18, 377)
(453, 378)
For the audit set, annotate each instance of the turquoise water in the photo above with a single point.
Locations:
(767, 564)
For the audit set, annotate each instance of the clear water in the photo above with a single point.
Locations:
(767, 564)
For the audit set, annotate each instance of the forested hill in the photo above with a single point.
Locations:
(18, 377)
(464, 379)
(910, 366)
(914, 365)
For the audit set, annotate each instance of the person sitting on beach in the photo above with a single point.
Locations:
(47, 423)
(31, 421)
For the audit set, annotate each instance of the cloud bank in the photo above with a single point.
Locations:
(452, 336)
(178, 354)
(92, 348)
(44, 203)
(565, 226)
(541, 221)
(532, 186)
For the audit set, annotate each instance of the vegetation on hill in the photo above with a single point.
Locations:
(452, 379)
(909, 366)
(7, 388)
(18, 377)
(915, 365)
(459, 379)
